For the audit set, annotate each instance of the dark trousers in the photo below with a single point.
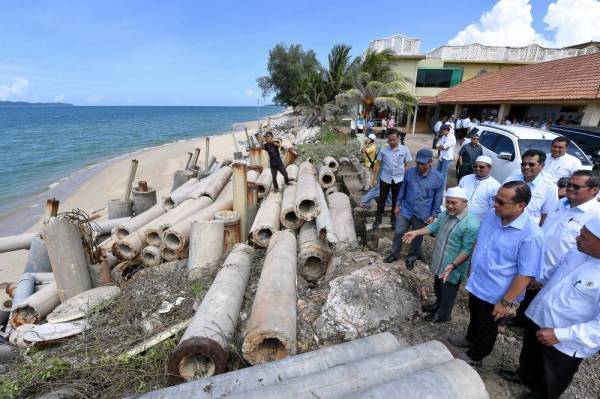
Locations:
(445, 295)
(384, 190)
(529, 296)
(545, 370)
(402, 226)
(483, 330)
(281, 169)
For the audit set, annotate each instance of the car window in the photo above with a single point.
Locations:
(472, 132)
(488, 139)
(544, 145)
(504, 144)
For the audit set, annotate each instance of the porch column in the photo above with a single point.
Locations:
(503, 111)
(591, 115)
(457, 109)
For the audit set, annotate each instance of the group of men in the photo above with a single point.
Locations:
(515, 244)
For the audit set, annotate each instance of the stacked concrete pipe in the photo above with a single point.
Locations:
(252, 206)
(264, 183)
(202, 348)
(271, 329)
(313, 254)
(131, 225)
(331, 163)
(292, 172)
(326, 177)
(324, 221)
(206, 247)
(151, 256)
(180, 194)
(288, 217)
(267, 220)
(307, 202)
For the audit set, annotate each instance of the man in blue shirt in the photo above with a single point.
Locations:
(391, 162)
(418, 204)
(507, 257)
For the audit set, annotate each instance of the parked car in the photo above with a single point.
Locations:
(586, 137)
(506, 144)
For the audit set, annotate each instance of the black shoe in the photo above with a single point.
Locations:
(390, 259)
(432, 317)
(376, 224)
(430, 307)
(510, 376)
(410, 262)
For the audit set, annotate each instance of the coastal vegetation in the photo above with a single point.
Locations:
(296, 78)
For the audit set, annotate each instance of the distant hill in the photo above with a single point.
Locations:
(26, 104)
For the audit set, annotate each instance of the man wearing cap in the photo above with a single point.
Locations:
(369, 151)
(481, 187)
(418, 204)
(455, 233)
(506, 258)
(446, 145)
(558, 162)
(467, 155)
(563, 320)
(544, 193)
(392, 161)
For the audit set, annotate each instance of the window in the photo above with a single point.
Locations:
(488, 140)
(438, 77)
(504, 144)
(544, 145)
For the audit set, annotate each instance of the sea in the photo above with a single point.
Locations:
(46, 151)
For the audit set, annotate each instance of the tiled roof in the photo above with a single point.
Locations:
(427, 100)
(576, 78)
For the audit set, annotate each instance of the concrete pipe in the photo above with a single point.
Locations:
(333, 189)
(266, 223)
(288, 217)
(180, 177)
(177, 237)
(217, 181)
(206, 247)
(207, 153)
(232, 226)
(125, 270)
(104, 227)
(24, 288)
(264, 159)
(264, 183)
(252, 206)
(180, 194)
(345, 161)
(33, 309)
(324, 221)
(133, 224)
(143, 200)
(171, 255)
(151, 256)
(240, 206)
(37, 258)
(100, 274)
(351, 378)
(266, 374)
(14, 243)
(67, 257)
(292, 171)
(118, 208)
(313, 254)
(202, 349)
(453, 379)
(290, 156)
(307, 202)
(326, 177)
(271, 329)
(331, 163)
(253, 173)
(212, 161)
(254, 155)
(341, 212)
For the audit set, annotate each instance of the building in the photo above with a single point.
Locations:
(447, 66)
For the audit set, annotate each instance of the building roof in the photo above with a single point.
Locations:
(427, 100)
(568, 79)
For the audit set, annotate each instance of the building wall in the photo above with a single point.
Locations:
(470, 69)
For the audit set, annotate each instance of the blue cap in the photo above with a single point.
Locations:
(424, 155)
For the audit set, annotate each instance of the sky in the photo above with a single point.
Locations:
(211, 52)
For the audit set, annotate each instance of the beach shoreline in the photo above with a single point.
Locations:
(95, 186)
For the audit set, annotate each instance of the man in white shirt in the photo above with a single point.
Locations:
(558, 162)
(564, 320)
(481, 188)
(445, 145)
(544, 193)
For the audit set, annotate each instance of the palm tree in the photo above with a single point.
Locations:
(310, 92)
(338, 71)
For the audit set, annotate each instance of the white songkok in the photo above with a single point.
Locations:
(484, 158)
(457, 192)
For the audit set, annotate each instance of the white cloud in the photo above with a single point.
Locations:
(60, 98)
(250, 93)
(573, 21)
(14, 90)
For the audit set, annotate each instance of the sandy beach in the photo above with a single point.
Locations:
(156, 166)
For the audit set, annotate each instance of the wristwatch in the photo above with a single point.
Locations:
(506, 303)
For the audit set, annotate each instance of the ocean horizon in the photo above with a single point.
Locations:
(48, 149)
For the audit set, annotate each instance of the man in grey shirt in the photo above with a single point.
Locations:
(467, 155)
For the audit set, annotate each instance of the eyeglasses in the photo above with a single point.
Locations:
(574, 187)
(530, 164)
(500, 202)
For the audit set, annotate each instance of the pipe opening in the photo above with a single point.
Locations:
(264, 235)
(291, 218)
(307, 207)
(327, 179)
(270, 349)
(169, 254)
(149, 258)
(197, 366)
(332, 165)
(172, 240)
(125, 250)
(169, 203)
(153, 238)
(261, 189)
(121, 232)
(313, 267)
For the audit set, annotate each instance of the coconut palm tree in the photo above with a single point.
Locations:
(337, 74)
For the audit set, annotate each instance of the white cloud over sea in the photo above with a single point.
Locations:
(14, 90)
(510, 23)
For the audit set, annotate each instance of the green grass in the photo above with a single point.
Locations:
(330, 143)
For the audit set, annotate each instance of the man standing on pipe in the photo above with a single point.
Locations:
(275, 161)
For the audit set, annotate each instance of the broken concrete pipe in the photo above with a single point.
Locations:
(288, 217)
(125, 270)
(292, 171)
(267, 219)
(333, 189)
(37, 257)
(67, 257)
(341, 212)
(363, 374)
(253, 173)
(171, 255)
(331, 163)
(252, 206)
(313, 254)
(266, 374)
(133, 224)
(151, 256)
(264, 183)
(324, 221)
(254, 155)
(240, 206)
(180, 194)
(118, 208)
(77, 307)
(307, 203)
(232, 224)
(290, 156)
(202, 349)
(100, 273)
(271, 329)
(15, 243)
(206, 247)
(217, 181)
(177, 237)
(326, 177)
(24, 288)
(180, 177)
(37, 306)
(143, 200)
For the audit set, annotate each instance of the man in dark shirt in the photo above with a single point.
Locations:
(275, 161)
(467, 155)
